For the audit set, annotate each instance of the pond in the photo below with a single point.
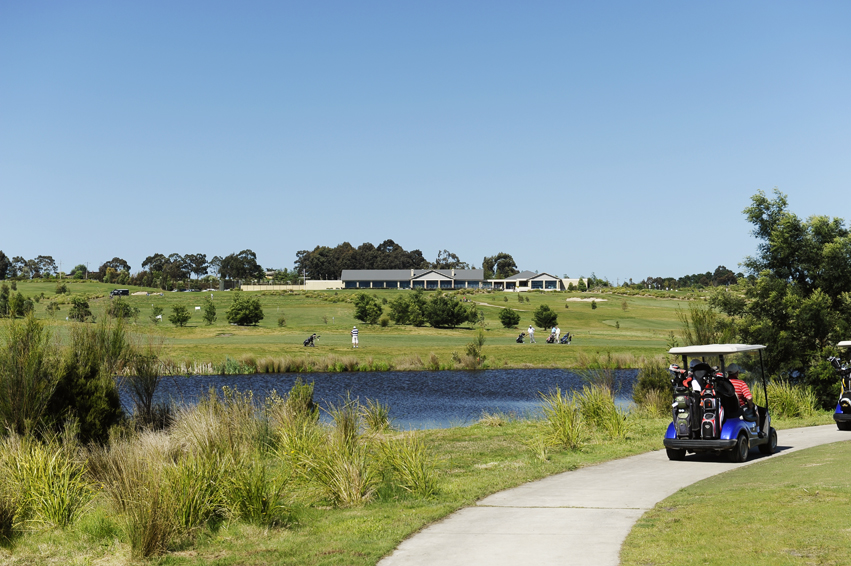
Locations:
(421, 399)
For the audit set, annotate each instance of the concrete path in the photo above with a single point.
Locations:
(579, 517)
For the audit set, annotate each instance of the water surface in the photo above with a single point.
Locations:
(417, 399)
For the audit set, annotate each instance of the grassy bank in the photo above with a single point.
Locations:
(635, 326)
(261, 499)
(785, 511)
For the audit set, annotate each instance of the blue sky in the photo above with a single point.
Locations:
(623, 138)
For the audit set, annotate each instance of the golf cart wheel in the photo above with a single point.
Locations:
(739, 453)
(843, 425)
(771, 446)
(678, 454)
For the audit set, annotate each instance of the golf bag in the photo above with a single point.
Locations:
(565, 339)
(712, 409)
(686, 408)
(844, 374)
(311, 340)
(551, 339)
(520, 338)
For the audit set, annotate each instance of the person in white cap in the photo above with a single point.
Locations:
(354, 337)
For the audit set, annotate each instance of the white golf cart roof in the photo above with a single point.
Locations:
(717, 349)
(845, 343)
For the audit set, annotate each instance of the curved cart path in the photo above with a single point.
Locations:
(578, 517)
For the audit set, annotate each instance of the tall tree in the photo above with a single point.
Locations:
(46, 265)
(197, 264)
(241, 266)
(499, 266)
(799, 301)
(448, 260)
(5, 264)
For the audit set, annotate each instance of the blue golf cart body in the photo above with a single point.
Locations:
(842, 414)
(736, 435)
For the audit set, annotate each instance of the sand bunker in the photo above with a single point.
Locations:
(578, 300)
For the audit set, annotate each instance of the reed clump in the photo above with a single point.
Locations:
(786, 399)
(563, 419)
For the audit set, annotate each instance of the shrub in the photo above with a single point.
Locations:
(209, 311)
(346, 473)
(545, 317)
(156, 314)
(253, 494)
(117, 308)
(86, 389)
(245, 311)
(143, 379)
(653, 376)
(786, 399)
(593, 305)
(179, 315)
(52, 308)
(383, 321)
(367, 308)
(445, 311)
(282, 321)
(61, 288)
(509, 318)
(28, 374)
(79, 311)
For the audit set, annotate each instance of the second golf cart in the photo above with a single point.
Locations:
(706, 412)
(842, 414)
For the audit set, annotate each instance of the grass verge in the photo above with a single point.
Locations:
(784, 511)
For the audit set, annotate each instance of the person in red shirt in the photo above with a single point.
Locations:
(743, 392)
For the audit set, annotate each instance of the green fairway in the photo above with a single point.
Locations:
(790, 510)
(632, 326)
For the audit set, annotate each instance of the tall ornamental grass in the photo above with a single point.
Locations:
(786, 399)
(564, 422)
(50, 478)
(412, 465)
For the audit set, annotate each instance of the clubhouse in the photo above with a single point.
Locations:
(448, 279)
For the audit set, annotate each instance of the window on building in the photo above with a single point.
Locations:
(537, 284)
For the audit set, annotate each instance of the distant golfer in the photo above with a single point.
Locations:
(558, 333)
(531, 332)
(354, 337)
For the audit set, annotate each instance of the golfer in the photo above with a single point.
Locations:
(354, 337)
(531, 332)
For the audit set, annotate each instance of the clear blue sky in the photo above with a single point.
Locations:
(623, 138)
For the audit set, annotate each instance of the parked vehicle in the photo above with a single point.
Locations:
(119, 293)
(706, 416)
(842, 414)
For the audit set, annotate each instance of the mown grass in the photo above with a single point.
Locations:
(640, 330)
(789, 510)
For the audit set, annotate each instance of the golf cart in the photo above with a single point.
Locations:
(842, 415)
(706, 412)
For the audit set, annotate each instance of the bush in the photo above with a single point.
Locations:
(282, 321)
(545, 317)
(61, 289)
(117, 308)
(509, 318)
(445, 311)
(384, 321)
(28, 374)
(156, 314)
(79, 311)
(245, 310)
(367, 308)
(593, 305)
(86, 389)
(411, 464)
(179, 315)
(653, 376)
(209, 311)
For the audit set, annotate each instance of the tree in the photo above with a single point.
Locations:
(367, 308)
(4, 300)
(156, 314)
(581, 285)
(79, 272)
(244, 310)
(216, 264)
(241, 266)
(209, 311)
(500, 266)
(5, 264)
(545, 317)
(46, 265)
(444, 311)
(197, 264)
(797, 298)
(448, 260)
(116, 264)
(118, 308)
(179, 315)
(509, 318)
(155, 262)
(79, 309)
